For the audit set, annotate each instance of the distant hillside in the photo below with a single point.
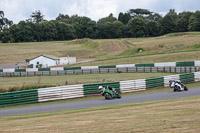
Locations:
(129, 48)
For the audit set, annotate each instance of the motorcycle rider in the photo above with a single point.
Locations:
(174, 83)
(102, 89)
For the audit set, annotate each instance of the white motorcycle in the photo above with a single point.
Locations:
(177, 85)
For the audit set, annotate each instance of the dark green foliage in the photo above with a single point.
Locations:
(134, 23)
(194, 22)
(183, 21)
(139, 12)
(169, 22)
(124, 18)
(110, 19)
(113, 29)
(4, 22)
(152, 28)
(64, 31)
(48, 31)
(6, 35)
(137, 27)
(37, 16)
(84, 27)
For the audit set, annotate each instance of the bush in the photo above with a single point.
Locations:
(139, 50)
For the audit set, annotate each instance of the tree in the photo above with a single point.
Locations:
(169, 22)
(64, 31)
(23, 32)
(62, 17)
(183, 21)
(152, 28)
(6, 35)
(110, 18)
(139, 12)
(118, 29)
(37, 16)
(194, 22)
(124, 18)
(48, 31)
(84, 27)
(137, 27)
(154, 16)
(4, 22)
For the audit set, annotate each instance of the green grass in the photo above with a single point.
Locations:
(21, 82)
(104, 49)
(174, 115)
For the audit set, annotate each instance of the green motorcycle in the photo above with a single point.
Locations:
(109, 92)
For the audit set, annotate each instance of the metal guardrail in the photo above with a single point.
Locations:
(102, 70)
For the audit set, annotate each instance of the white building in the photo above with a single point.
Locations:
(48, 60)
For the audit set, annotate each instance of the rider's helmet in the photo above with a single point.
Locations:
(100, 87)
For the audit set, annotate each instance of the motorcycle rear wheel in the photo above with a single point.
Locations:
(108, 96)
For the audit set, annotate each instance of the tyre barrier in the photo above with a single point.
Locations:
(82, 90)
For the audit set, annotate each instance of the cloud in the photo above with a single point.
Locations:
(17, 10)
(12, 10)
(94, 9)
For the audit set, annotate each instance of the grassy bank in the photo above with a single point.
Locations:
(177, 115)
(135, 50)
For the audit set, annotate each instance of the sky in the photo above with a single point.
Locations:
(17, 10)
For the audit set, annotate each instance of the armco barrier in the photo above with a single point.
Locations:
(178, 67)
(58, 93)
(132, 85)
(92, 70)
(154, 82)
(187, 78)
(19, 97)
(182, 64)
(145, 65)
(81, 90)
(196, 76)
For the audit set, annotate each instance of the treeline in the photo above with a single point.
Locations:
(134, 23)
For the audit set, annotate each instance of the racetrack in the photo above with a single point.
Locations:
(101, 102)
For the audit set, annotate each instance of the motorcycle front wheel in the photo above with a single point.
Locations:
(185, 88)
(176, 88)
(119, 96)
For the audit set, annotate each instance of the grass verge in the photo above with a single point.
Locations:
(175, 115)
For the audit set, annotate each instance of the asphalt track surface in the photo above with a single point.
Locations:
(101, 102)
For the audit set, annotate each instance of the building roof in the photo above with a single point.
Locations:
(48, 56)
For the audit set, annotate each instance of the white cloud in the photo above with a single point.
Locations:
(12, 10)
(94, 9)
(101, 8)
(17, 10)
